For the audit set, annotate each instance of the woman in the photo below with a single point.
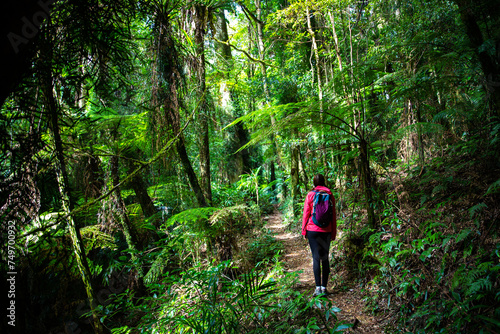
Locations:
(319, 237)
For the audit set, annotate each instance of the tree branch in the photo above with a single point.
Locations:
(255, 60)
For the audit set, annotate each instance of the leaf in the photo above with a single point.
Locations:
(477, 208)
(426, 254)
(462, 235)
(493, 188)
(493, 321)
(191, 215)
(403, 253)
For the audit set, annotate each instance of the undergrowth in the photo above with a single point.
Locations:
(434, 265)
(206, 300)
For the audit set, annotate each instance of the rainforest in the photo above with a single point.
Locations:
(156, 156)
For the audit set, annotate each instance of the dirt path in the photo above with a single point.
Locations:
(297, 258)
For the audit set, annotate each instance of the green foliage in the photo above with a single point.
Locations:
(206, 300)
(259, 247)
(438, 274)
(230, 195)
(215, 228)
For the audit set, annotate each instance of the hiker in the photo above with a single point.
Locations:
(319, 226)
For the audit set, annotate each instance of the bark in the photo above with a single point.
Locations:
(294, 175)
(303, 173)
(273, 176)
(240, 163)
(316, 57)
(92, 176)
(336, 40)
(63, 183)
(489, 65)
(126, 225)
(140, 188)
(421, 152)
(203, 139)
(189, 171)
(260, 47)
(367, 182)
(318, 75)
(223, 50)
(128, 231)
(241, 137)
(168, 95)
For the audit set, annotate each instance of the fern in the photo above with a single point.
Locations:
(482, 284)
(157, 267)
(477, 209)
(96, 237)
(229, 214)
(494, 188)
(190, 216)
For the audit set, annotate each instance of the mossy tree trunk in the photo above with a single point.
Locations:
(139, 184)
(366, 178)
(294, 175)
(63, 183)
(240, 135)
(169, 84)
(470, 13)
(200, 21)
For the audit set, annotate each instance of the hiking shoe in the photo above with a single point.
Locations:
(317, 292)
(324, 292)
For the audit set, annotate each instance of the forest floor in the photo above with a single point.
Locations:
(348, 298)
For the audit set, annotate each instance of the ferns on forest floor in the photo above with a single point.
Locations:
(207, 300)
(437, 270)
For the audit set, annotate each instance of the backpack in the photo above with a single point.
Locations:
(322, 214)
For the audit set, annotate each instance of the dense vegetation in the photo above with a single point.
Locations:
(149, 139)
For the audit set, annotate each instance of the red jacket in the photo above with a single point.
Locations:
(307, 223)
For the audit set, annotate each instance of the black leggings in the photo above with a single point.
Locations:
(320, 248)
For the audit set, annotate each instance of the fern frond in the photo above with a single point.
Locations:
(228, 213)
(157, 267)
(479, 285)
(191, 215)
(96, 237)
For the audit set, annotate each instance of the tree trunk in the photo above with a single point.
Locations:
(191, 175)
(336, 40)
(316, 57)
(123, 218)
(367, 182)
(240, 135)
(139, 185)
(167, 90)
(420, 139)
(224, 50)
(203, 139)
(67, 204)
(489, 64)
(294, 175)
(273, 177)
(302, 172)
(260, 47)
(122, 210)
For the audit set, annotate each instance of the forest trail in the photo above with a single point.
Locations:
(297, 258)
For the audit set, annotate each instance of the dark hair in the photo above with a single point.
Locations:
(319, 180)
